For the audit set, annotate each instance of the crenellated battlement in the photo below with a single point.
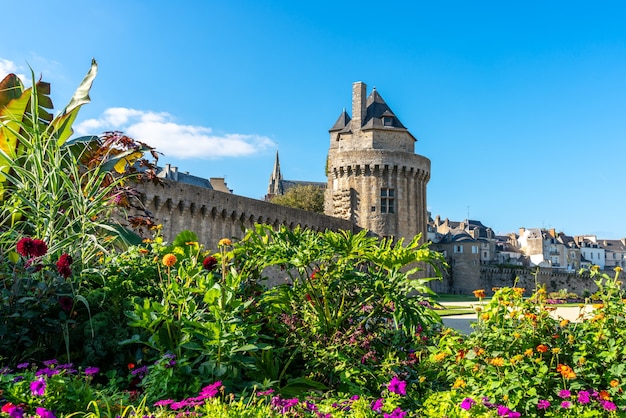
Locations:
(214, 215)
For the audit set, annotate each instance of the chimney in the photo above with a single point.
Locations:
(552, 232)
(521, 231)
(359, 109)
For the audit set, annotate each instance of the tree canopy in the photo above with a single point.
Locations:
(307, 197)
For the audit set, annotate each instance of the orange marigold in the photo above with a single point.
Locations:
(224, 242)
(169, 260)
(542, 348)
(604, 395)
(439, 356)
(519, 290)
(459, 383)
(614, 383)
(498, 362)
(566, 371)
(480, 293)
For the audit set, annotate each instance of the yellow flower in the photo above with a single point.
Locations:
(439, 356)
(484, 317)
(582, 361)
(598, 306)
(224, 242)
(519, 290)
(422, 379)
(564, 323)
(147, 241)
(556, 350)
(570, 339)
(618, 269)
(516, 335)
(614, 383)
(478, 309)
(595, 268)
(498, 362)
(459, 383)
(143, 251)
(169, 260)
(528, 352)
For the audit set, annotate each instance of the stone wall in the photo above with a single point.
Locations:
(487, 277)
(214, 215)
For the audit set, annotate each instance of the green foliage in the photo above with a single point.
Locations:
(58, 190)
(198, 317)
(307, 197)
(521, 356)
(354, 311)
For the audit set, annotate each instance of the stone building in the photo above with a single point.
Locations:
(278, 186)
(375, 179)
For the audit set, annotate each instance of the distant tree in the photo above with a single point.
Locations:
(305, 197)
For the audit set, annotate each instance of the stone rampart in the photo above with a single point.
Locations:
(214, 215)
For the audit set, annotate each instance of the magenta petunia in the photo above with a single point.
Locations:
(44, 413)
(397, 386)
(377, 405)
(467, 403)
(38, 387)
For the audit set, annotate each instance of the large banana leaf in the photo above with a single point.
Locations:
(61, 126)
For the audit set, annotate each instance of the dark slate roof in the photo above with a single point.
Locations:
(376, 109)
(342, 123)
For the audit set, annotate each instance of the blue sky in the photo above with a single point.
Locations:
(520, 106)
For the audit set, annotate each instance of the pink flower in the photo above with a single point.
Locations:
(543, 404)
(397, 386)
(467, 403)
(377, 405)
(584, 397)
(38, 387)
(564, 393)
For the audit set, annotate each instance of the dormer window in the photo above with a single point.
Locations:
(387, 121)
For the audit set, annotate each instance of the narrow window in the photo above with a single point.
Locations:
(387, 200)
(387, 121)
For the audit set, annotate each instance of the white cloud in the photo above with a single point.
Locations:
(174, 140)
(8, 67)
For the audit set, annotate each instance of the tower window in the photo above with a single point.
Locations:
(387, 121)
(387, 200)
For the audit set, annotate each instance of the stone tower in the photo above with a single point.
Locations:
(375, 179)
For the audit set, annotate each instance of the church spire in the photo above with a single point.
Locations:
(275, 186)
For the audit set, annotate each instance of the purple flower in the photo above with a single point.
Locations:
(397, 386)
(608, 405)
(355, 398)
(164, 402)
(503, 411)
(543, 404)
(514, 414)
(211, 390)
(265, 392)
(22, 365)
(564, 393)
(38, 387)
(566, 404)
(283, 405)
(44, 413)
(49, 363)
(377, 405)
(16, 412)
(396, 413)
(584, 397)
(90, 371)
(467, 403)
